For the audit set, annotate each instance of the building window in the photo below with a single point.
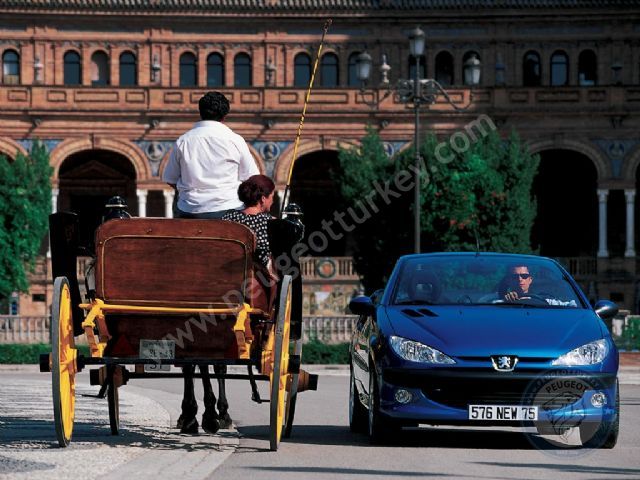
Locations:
(72, 69)
(587, 68)
(444, 69)
(301, 70)
(329, 70)
(128, 69)
(559, 69)
(352, 73)
(215, 70)
(99, 69)
(242, 70)
(412, 66)
(10, 67)
(188, 70)
(531, 75)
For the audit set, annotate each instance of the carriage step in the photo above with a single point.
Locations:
(307, 381)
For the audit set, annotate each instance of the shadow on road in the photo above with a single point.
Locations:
(418, 438)
(353, 471)
(25, 433)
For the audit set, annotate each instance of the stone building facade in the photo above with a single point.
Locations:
(108, 85)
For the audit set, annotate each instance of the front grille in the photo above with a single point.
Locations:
(497, 392)
(460, 388)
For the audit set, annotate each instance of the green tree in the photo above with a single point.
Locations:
(25, 203)
(384, 237)
(481, 195)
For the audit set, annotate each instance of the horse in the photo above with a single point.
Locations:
(212, 421)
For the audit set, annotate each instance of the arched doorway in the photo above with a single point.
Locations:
(313, 188)
(88, 179)
(566, 192)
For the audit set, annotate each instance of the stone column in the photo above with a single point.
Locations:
(54, 199)
(142, 202)
(54, 208)
(603, 251)
(630, 195)
(168, 203)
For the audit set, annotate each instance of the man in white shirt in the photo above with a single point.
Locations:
(208, 163)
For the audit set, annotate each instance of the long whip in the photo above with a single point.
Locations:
(325, 28)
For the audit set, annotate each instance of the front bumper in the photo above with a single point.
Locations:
(442, 395)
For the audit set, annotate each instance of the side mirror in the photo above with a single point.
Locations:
(377, 295)
(361, 305)
(606, 309)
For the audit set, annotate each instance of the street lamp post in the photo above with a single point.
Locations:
(416, 47)
(417, 91)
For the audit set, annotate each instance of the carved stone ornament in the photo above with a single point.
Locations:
(270, 153)
(155, 151)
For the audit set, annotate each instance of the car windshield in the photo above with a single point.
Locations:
(498, 280)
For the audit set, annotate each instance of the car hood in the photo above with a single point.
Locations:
(487, 330)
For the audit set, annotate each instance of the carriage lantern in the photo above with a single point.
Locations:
(293, 213)
(116, 207)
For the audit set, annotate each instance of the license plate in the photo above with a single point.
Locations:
(157, 350)
(502, 412)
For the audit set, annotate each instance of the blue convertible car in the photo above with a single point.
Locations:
(483, 339)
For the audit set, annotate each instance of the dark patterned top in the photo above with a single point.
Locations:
(258, 223)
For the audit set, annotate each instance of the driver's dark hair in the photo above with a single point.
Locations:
(516, 265)
(213, 106)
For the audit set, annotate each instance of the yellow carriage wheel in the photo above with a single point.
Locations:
(280, 361)
(63, 361)
(292, 392)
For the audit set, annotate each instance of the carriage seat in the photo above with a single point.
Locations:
(176, 263)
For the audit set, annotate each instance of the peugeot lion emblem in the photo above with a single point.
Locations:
(504, 363)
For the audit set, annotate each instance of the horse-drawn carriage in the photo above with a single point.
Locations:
(173, 292)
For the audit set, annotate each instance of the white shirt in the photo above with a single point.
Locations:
(207, 164)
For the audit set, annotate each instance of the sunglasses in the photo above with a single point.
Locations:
(523, 276)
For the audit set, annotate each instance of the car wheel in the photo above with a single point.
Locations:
(357, 411)
(380, 428)
(603, 434)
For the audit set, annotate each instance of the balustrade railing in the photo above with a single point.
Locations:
(580, 267)
(328, 329)
(20, 329)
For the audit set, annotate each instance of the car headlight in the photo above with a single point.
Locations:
(418, 352)
(588, 354)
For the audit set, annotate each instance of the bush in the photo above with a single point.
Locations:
(21, 353)
(316, 352)
(630, 338)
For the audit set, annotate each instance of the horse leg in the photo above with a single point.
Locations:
(223, 405)
(187, 422)
(210, 422)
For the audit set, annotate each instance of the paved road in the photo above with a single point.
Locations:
(321, 446)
